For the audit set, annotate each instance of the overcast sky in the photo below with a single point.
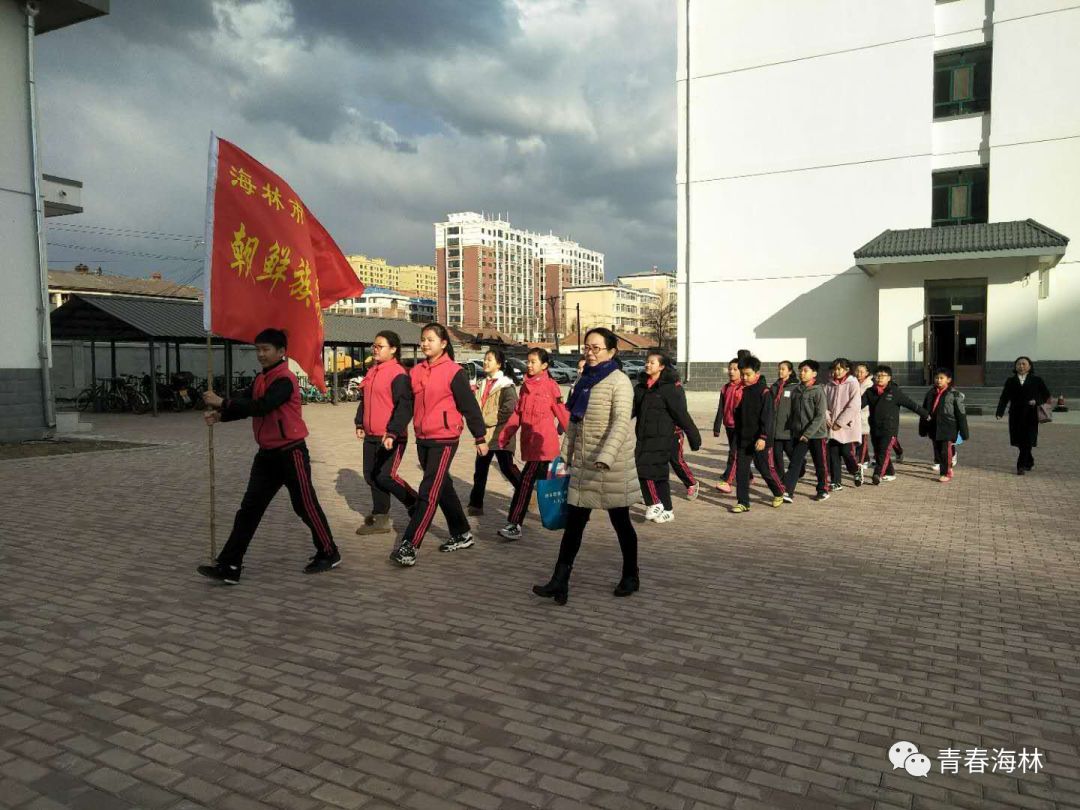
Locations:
(384, 115)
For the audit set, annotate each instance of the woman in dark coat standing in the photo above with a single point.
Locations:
(1023, 394)
(660, 407)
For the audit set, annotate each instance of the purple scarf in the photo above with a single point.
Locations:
(579, 397)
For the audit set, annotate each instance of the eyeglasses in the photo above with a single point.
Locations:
(593, 349)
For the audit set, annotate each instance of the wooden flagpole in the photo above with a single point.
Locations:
(210, 447)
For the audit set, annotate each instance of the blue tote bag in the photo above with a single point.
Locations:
(551, 497)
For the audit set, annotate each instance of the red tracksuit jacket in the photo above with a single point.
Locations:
(540, 399)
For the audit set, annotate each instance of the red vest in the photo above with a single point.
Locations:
(282, 426)
(435, 414)
(378, 398)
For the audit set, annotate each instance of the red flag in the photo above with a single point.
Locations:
(270, 262)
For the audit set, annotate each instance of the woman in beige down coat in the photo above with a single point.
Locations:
(599, 449)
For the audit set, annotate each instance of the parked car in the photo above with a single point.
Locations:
(633, 368)
(562, 372)
(474, 368)
(515, 370)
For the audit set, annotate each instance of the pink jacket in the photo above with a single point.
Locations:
(844, 398)
(539, 401)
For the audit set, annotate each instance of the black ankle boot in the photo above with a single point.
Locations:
(628, 584)
(559, 586)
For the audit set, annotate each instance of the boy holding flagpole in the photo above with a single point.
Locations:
(273, 404)
(269, 260)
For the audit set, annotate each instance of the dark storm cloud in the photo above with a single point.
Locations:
(427, 26)
(385, 114)
(162, 22)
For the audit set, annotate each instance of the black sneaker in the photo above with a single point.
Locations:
(229, 574)
(858, 477)
(322, 562)
(475, 511)
(457, 541)
(404, 555)
(837, 487)
(821, 496)
(876, 479)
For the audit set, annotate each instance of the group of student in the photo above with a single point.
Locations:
(438, 400)
(772, 427)
(836, 422)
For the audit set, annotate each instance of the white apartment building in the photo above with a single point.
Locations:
(495, 276)
(891, 180)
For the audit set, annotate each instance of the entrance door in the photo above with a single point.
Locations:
(956, 342)
(955, 329)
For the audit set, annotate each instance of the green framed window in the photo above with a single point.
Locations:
(962, 81)
(961, 197)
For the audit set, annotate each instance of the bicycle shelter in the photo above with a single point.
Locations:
(175, 322)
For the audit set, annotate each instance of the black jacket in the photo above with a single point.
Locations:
(659, 410)
(755, 415)
(1023, 417)
(948, 420)
(782, 394)
(885, 409)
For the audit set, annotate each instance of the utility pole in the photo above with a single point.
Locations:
(579, 329)
(552, 301)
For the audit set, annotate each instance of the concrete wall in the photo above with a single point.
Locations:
(808, 138)
(21, 414)
(811, 131)
(1035, 148)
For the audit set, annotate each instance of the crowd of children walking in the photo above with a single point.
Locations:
(847, 423)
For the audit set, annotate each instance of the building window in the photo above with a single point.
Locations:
(961, 197)
(962, 82)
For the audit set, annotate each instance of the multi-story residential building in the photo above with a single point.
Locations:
(380, 302)
(495, 276)
(661, 282)
(421, 310)
(612, 305)
(374, 272)
(418, 279)
(892, 181)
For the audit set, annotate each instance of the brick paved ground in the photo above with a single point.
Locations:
(768, 662)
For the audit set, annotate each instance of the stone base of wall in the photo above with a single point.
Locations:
(21, 415)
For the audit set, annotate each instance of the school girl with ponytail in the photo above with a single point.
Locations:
(382, 424)
(443, 404)
(539, 407)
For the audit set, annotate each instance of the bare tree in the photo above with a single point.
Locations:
(659, 320)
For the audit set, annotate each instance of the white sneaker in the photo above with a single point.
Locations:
(653, 512)
(956, 460)
(665, 516)
(934, 467)
(890, 477)
(511, 531)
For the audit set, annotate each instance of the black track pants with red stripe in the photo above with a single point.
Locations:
(763, 460)
(841, 455)
(884, 451)
(523, 490)
(381, 473)
(656, 492)
(436, 491)
(678, 461)
(270, 471)
(817, 450)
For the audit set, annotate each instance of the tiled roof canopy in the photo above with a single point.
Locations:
(134, 318)
(982, 238)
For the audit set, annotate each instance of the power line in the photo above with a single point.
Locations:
(140, 254)
(131, 232)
